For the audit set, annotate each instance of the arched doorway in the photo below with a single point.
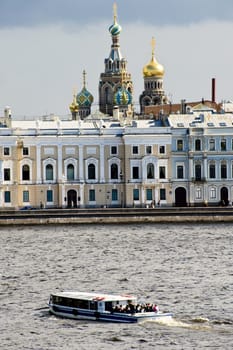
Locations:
(72, 199)
(180, 197)
(224, 196)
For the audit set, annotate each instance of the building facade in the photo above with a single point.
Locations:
(202, 158)
(93, 163)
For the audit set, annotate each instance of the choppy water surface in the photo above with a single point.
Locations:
(186, 269)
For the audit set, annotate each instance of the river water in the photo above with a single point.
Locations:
(185, 268)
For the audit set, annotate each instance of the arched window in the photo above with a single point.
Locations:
(49, 172)
(114, 171)
(150, 171)
(91, 172)
(70, 172)
(25, 172)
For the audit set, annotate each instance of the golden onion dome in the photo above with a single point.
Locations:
(74, 105)
(153, 68)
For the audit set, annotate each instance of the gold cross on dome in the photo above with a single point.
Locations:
(84, 78)
(153, 45)
(115, 12)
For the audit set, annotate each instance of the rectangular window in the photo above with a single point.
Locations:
(213, 192)
(25, 151)
(212, 171)
(223, 145)
(136, 194)
(135, 172)
(149, 194)
(197, 172)
(26, 196)
(162, 194)
(148, 149)
(7, 197)
(212, 145)
(162, 172)
(198, 193)
(91, 195)
(7, 174)
(232, 144)
(197, 145)
(223, 171)
(161, 149)
(114, 195)
(49, 196)
(180, 172)
(6, 151)
(113, 149)
(179, 145)
(135, 150)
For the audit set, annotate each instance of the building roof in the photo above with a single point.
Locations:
(200, 120)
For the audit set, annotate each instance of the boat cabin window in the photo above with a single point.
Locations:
(108, 306)
(82, 304)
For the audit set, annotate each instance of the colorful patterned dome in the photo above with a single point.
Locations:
(84, 98)
(122, 97)
(115, 29)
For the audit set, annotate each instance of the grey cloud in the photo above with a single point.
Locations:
(26, 13)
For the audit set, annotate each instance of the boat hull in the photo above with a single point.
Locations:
(81, 314)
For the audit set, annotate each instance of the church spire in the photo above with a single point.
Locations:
(114, 13)
(115, 69)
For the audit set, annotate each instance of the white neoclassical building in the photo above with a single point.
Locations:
(202, 158)
(84, 163)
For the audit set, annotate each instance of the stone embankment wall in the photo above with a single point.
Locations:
(117, 215)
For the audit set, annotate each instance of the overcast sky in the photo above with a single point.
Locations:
(46, 44)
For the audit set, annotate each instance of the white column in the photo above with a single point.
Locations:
(190, 168)
(38, 164)
(59, 161)
(102, 177)
(143, 195)
(205, 168)
(81, 172)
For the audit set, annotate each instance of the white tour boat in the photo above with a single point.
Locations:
(104, 307)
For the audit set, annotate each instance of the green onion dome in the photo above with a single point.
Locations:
(115, 29)
(84, 98)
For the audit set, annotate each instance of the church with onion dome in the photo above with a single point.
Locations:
(153, 73)
(115, 84)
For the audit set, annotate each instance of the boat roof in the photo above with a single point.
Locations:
(95, 296)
